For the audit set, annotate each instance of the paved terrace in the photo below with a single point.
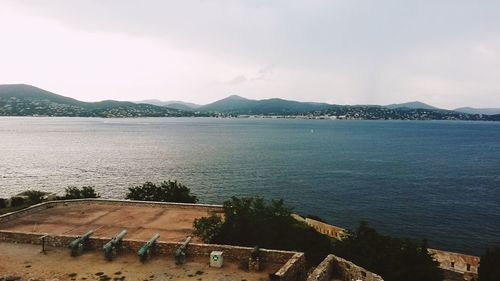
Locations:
(142, 220)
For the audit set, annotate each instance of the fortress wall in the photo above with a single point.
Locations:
(294, 269)
(293, 263)
(333, 267)
(445, 258)
(456, 262)
(321, 227)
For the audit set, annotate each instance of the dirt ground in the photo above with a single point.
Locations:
(26, 261)
(141, 222)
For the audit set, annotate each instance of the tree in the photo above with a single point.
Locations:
(393, 258)
(17, 201)
(208, 228)
(489, 267)
(166, 191)
(255, 222)
(73, 192)
(34, 196)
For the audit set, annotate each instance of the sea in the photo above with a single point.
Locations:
(438, 180)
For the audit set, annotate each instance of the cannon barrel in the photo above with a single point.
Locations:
(77, 245)
(113, 244)
(145, 249)
(180, 253)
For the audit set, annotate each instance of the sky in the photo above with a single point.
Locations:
(445, 53)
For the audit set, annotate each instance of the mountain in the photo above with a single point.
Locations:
(412, 105)
(181, 105)
(238, 105)
(26, 100)
(486, 111)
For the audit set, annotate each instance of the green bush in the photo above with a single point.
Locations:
(3, 203)
(254, 222)
(167, 191)
(17, 201)
(393, 258)
(208, 228)
(73, 192)
(489, 268)
(34, 196)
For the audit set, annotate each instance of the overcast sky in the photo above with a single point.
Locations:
(446, 53)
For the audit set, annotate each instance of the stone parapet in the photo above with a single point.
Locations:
(457, 262)
(336, 268)
(294, 269)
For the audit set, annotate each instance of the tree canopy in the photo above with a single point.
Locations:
(166, 191)
(393, 258)
(73, 192)
(489, 268)
(268, 224)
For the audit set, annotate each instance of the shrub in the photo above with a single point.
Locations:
(316, 218)
(393, 258)
(208, 228)
(253, 221)
(167, 191)
(489, 268)
(34, 196)
(3, 203)
(17, 201)
(73, 192)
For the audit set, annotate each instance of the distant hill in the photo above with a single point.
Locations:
(26, 100)
(238, 105)
(471, 110)
(411, 105)
(172, 104)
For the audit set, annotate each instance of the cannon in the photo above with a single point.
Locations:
(80, 243)
(113, 245)
(180, 253)
(145, 251)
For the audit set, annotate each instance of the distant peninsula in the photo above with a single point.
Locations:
(27, 100)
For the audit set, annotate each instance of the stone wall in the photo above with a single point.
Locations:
(456, 262)
(293, 263)
(321, 227)
(294, 269)
(333, 267)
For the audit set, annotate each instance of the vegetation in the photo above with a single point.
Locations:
(26, 100)
(489, 269)
(166, 191)
(17, 201)
(314, 217)
(34, 196)
(73, 192)
(3, 203)
(253, 221)
(393, 258)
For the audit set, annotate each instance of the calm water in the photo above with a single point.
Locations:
(439, 180)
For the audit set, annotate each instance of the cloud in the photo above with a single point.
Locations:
(237, 80)
(264, 73)
(345, 50)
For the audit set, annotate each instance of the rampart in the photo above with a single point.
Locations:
(456, 262)
(335, 268)
(324, 228)
(293, 263)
